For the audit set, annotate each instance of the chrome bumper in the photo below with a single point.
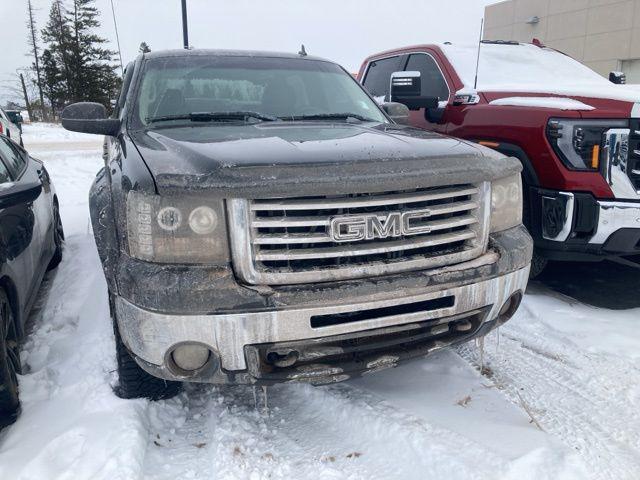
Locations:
(615, 216)
(150, 336)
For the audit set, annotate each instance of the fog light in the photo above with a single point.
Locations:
(190, 357)
(509, 308)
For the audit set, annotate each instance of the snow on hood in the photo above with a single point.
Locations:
(530, 69)
(557, 103)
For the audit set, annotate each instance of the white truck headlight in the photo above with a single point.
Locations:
(506, 203)
(176, 229)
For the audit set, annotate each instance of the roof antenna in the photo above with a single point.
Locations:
(475, 83)
(302, 52)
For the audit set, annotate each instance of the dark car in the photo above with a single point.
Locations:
(260, 219)
(16, 117)
(31, 240)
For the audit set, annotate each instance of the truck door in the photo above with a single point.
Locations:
(434, 84)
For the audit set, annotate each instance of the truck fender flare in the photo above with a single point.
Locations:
(529, 176)
(103, 221)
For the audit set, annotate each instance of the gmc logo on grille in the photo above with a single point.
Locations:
(350, 228)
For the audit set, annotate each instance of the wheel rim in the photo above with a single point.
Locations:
(10, 341)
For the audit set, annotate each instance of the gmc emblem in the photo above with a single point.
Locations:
(351, 228)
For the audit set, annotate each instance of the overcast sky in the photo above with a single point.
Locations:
(343, 30)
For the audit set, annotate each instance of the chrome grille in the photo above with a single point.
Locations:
(293, 240)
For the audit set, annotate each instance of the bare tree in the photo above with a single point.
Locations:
(33, 44)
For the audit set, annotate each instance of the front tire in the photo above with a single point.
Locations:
(538, 262)
(58, 238)
(9, 363)
(133, 381)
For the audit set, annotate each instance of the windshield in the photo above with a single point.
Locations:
(256, 88)
(521, 67)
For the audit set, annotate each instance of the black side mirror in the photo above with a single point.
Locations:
(619, 78)
(398, 112)
(89, 117)
(406, 88)
(19, 193)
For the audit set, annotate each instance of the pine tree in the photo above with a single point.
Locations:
(95, 75)
(79, 66)
(57, 36)
(54, 86)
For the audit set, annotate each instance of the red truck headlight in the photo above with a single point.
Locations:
(579, 143)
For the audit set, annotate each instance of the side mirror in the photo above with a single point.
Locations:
(406, 88)
(398, 112)
(89, 117)
(18, 193)
(619, 78)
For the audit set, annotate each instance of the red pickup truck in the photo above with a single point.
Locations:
(576, 134)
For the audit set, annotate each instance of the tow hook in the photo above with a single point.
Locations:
(282, 358)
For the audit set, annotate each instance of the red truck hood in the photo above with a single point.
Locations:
(619, 101)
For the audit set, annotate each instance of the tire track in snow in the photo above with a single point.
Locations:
(582, 398)
(327, 432)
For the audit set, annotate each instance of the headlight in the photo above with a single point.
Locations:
(506, 203)
(579, 143)
(176, 230)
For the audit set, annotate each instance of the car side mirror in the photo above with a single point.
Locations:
(619, 78)
(89, 117)
(17, 193)
(398, 112)
(406, 88)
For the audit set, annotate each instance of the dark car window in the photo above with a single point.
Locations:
(4, 173)
(12, 156)
(378, 76)
(433, 83)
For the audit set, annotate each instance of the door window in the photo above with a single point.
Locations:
(378, 76)
(14, 158)
(433, 83)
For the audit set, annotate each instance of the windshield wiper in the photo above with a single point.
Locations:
(214, 117)
(328, 116)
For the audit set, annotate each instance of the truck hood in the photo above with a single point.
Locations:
(303, 158)
(616, 101)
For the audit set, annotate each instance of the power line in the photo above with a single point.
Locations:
(115, 24)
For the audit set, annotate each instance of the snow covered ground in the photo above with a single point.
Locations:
(559, 397)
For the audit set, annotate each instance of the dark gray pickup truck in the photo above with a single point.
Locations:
(260, 219)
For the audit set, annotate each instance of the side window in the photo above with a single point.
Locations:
(13, 157)
(433, 83)
(378, 76)
(4, 173)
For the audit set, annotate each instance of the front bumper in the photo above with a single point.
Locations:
(576, 226)
(340, 331)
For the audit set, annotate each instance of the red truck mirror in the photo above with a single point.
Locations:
(406, 88)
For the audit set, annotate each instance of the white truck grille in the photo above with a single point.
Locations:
(313, 239)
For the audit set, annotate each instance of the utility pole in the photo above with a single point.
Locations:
(185, 28)
(26, 97)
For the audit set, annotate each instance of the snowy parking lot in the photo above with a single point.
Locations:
(558, 398)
